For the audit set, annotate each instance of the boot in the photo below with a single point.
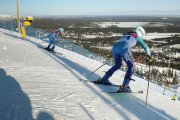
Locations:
(52, 49)
(103, 80)
(124, 88)
(48, 48)
(127, 80)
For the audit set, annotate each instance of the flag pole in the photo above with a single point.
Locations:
(18, 17)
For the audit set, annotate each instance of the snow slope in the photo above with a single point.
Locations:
(36, 84)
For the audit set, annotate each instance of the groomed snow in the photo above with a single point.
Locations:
(36, 84)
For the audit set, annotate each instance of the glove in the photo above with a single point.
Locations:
(149, 58)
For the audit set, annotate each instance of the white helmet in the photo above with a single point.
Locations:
(140, 31)
(61, 30)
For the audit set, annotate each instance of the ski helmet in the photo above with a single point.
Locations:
(140, 31)
(61, 30)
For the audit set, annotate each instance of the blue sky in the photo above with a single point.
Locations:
(91, 7)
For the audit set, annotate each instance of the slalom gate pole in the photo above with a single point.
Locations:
(139, 60)
(98, 68)
(148, 85)
(167, 75)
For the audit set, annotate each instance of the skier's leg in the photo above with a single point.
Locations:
(118, 62)
(54, 45)
(50, 42)
(48, 47)
(128, 58)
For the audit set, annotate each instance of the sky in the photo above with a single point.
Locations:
(91, 7)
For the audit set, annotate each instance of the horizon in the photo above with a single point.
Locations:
(54, 16)
(90, 7)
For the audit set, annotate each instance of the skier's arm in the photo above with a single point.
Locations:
(59, 37)
(143, 44)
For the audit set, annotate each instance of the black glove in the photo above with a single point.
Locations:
(149, 58)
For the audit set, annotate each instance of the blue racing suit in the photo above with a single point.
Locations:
(122, 50)
(52, 39)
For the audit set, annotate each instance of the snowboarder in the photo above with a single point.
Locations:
(174, 97)
(53, 39)
(122, 50)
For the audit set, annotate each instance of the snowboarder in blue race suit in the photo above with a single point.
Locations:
(53, 39)
(122, 50)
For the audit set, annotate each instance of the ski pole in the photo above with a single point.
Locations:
(98, 68)
(148, 85)
(167, 75)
